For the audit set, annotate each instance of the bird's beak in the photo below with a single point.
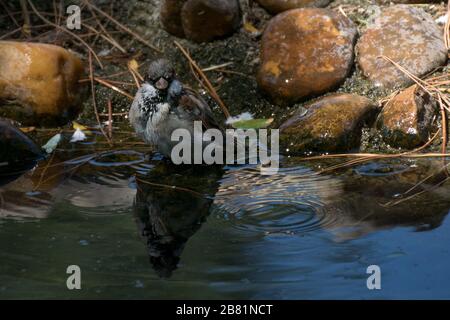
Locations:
(162, 84)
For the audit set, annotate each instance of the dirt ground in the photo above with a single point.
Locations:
(239, 91)
(237, 87)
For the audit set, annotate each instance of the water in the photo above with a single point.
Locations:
(228, 233)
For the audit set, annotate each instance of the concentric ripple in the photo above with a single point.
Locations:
(118, 158)
(289, 202)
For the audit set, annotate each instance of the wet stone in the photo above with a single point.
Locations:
(406, 121)
(407, 1)
(200, 20)
(407, 35)
(277, 6)
(39, 82)
(333, 123)
(170, 15)
(17, 150)
(305, 52)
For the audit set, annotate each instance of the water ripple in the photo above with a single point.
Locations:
(114, 158)
(289, 202)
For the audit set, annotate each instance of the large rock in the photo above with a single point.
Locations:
(206, 20)
(407, 1)
(332, 123)
(305, 52)
(408, 36)
(39, 82)
(276, 6)
(406, 120)
(200, 20)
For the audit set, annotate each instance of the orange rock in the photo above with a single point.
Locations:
(276, 6)
(39, 82)
(305, 52)
(407, 1)
(408, 36)
(406, 120)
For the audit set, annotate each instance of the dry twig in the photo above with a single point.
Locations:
(110, 120)
(113, 87)
(94, 100)
(65, 30)
(121, 26)
(208, 86)
(26, 18)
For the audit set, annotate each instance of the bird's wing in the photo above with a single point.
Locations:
(198, 109)
(136, 115)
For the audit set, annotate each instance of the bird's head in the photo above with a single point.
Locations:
(160, 74)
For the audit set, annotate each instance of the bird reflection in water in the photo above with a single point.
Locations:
(170, 206)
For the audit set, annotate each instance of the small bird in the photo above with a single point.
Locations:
(163, 105)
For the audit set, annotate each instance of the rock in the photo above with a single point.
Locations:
(277, 6)
(305, 52)
(206, 20)
(39, 82)
(408, 36)
(201, 20)
(330, 124)
(406, 120)
(17, 150)
(407, 1)
(170, 15)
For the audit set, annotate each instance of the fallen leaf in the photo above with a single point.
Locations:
(52, 144)
(133, 65)
(252, 124)
(77, 126)
(250, 28)
(27, 129)
(78, 136)
(241, 117)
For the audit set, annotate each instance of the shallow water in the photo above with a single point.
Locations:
(222, 233)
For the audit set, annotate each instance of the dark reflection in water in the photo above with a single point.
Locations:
(349, 203)
(18, 153)
(172, 202)
(392, 194)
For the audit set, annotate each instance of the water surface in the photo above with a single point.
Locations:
(140, 228)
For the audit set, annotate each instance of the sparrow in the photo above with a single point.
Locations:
(163, 104)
